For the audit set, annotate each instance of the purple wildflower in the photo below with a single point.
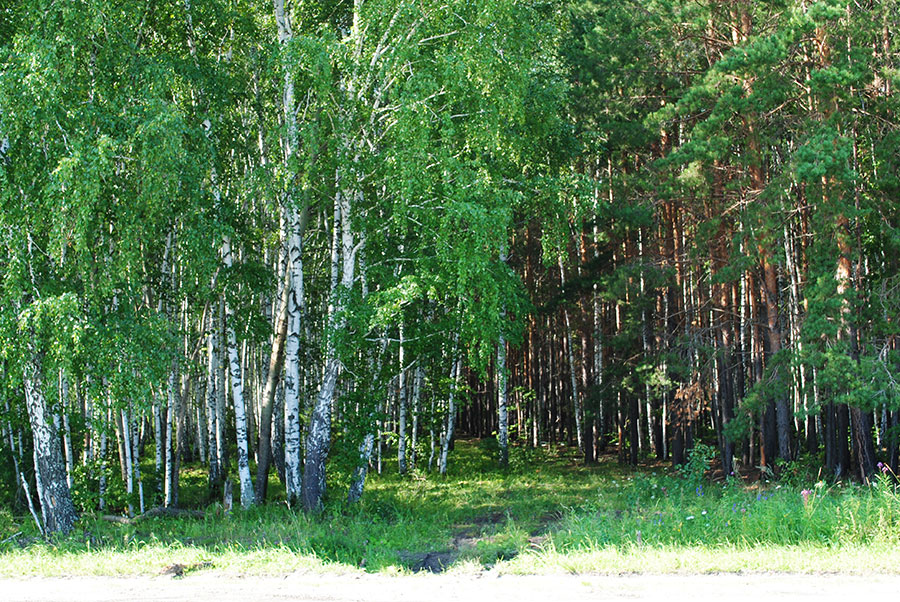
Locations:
(806, 494)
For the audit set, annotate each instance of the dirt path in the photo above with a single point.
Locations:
(210, 587)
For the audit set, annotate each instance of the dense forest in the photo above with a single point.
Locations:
(309, 239)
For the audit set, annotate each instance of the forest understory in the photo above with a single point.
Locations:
(546, 514)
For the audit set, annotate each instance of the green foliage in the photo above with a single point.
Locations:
(694, 470)
(86, 489)
(571, 512)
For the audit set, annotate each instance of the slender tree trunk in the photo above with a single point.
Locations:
(212, 395)
(136, 457)
(16, 452)
(267, 405)
(104, 442)
(432, 446)
(295, 220)
(67, 429)
(401, 408)
(129, 460)
(782, 407)
(221, 398)
(200, 440)
(446, 440)
(502, 398)
(416, 395)
(248, 497)
(170, 488)
(160, 440)
(573, 378)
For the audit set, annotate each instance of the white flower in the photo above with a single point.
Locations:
(691, 517)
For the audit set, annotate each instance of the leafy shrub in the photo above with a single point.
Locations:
(698, 463)
(86, 488)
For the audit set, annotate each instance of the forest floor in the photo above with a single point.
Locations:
(546, 515)
(455, 588)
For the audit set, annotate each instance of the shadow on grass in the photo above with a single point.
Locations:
(545, 506)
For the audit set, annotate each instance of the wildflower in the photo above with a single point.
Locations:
(704, 512)
(699, 491)
(691, 517)
(884, 467)
(805, 494)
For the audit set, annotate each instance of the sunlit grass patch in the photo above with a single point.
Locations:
(546, 514)
(806, 558)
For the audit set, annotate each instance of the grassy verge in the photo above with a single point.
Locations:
(547, 514)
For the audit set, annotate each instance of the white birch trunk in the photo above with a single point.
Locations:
(170, 486)
(57, 509)
(165, 423)
(502, 399)
(358, 481)
(416, 396)
(292, 368)
(502, 385)
(129, 472)
(319, 436)
(136, 457)
(159, 444)
(401, 409)
(295, 223)
(379, 434)
(450, 418)
(248, 497)
(200, 419)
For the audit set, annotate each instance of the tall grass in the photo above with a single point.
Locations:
(547, 513)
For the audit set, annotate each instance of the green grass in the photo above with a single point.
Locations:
(546, 514)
